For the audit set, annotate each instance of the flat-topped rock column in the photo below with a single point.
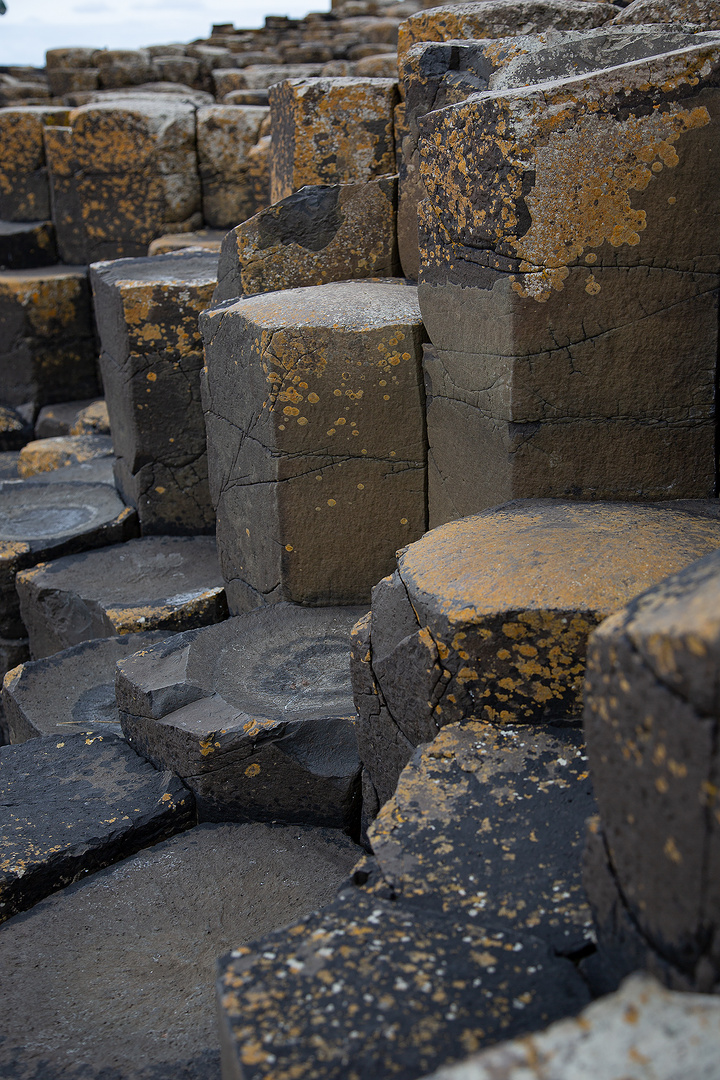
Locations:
(489, 617)
(147, 311)
(329, 131)
(225, 134)
(653, 861)
(316, 448)
(574, 352)
(24, 189)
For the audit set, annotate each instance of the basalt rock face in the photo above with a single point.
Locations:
(317, 469)
(511, 291)
(653, 861)
(489, 617)
(147, 311)
(226, 134)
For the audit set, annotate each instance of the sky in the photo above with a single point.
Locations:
(32, 26)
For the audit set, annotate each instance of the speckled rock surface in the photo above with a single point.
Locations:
(45, 455)
(225, 135)
(55, 420)
(313, 505)
(24, 192)
(330, 131)
(92, 419)
(702, 13)
(256, 714)
(154, 583)
(24, 244)
(490, 823)
(159, 920)
(336, 232)
(651, 716)
(210, 239)
(75, 805)
(489, 617)
(369, 987)
(147, 311)
(73, 690)
(15, 430)
(519, 300)
(64, 197)
(47, 347)
(643, 1032)
(39, 521)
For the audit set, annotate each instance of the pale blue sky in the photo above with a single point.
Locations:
(32, 26)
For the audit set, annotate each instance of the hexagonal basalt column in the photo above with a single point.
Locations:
(226, 134)
(147, 311)
(489, 617)
(24, 190)
(330, 131)
(568, 282)
(316, 447)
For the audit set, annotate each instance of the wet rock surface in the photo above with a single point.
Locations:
(74, 805)
(100, 594)
(256, 714)
(159, 919)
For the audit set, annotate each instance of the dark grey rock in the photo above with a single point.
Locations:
(158, 920)
(55, 420)
(25, 244)
(8, 464)
(75, 805)
(167, 583)
(74, 690)
(15, 431)
(255, 713)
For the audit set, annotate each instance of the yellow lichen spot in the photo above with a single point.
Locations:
(166, 797)
(591, 258)
(289, 547)
(337, 393)
(151, 376)
(160, 490)
(592, 286)
(252, 770)
(671, 851)
(331, 502)
(331, 431)
(672, 200)
(403, 521)
(361, 487)
(302, 420)
(206, 746)
(313, 399)
(386, 397)
(290, 410)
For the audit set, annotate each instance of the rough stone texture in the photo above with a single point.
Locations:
(24, 191)
(258, 170)
(26, 244)
(225, 134)
(55, 420)
(74, 806)
(263, 76)
(123, 67)
(154, 583)
(64, 198)
(74, 690)
(510, 290)
(38, 521)
(43, 455)
(210, 239)
(133, 172)
(255, 714)
(317, 469)
(92, 419)
(651, 718)
(158, 920)
(336, 232)
(330, 131)
(489, 617)
(246, 97)
(490, 823)
(500, 18)
(374, 988)
(15, 431)
(98, 470)
(47, 346)
(702, 13)
(643, 1032)
(147, 311)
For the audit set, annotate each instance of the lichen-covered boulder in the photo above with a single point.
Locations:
(225, 135)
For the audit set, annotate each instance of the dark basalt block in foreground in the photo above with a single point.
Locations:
(73, 806)
(256, 714)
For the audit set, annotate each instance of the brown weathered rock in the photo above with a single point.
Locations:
(510, 289)
(330, 131)
(47, 344)
(209, 239)
(317, 467)
(92, 419)
(24, 191)
(64, 199)
(122, 67)
(489, 617)
(258, 171)
(44, 455)
(651, 712)
(225, 134)
(702, 13)
(147, 311)
(338, 232)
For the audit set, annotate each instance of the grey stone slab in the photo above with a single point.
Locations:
(74, 805)
(158, 920)
(73, 690)
(255, 713)
(8, 465)
(152, 583)
(317, 470)
(55, 420)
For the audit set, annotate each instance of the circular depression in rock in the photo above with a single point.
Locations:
(37, 522)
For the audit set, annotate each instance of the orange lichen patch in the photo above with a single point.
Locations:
(44, 455)
(52, 298)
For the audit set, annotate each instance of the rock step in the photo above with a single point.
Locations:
(157, 921)
(72, 690)
(488, 617)
(74, 806)
(167, 583)
(255, 714)
(46, 455)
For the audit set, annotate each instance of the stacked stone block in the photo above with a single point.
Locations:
(569, 226)
(147, 311)
(226, 134)
(317, 468)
